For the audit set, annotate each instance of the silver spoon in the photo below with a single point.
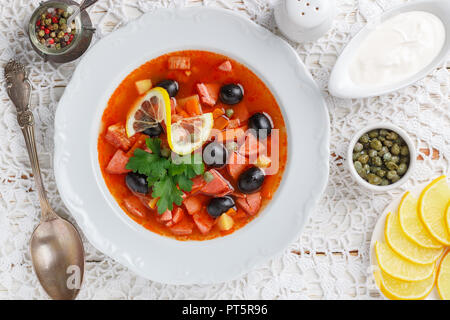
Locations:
(56, 249)
(78, 9)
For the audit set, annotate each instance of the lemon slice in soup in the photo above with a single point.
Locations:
(149, 111)
(189, 134)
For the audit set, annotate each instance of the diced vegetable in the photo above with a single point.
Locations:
(135, 206)
(221, 123)
(193, 205)
(117, 164)
(218, 112)
(251, 146)
(233, 124)
(197, 183)
(203, 221)
(209, 93)
(178, 215)
(225, 66)
(236, 134)
(139, 144)
(143, 86)
(181, 103)
(116, 135)
(183, 228)
(225, 222)
(236, 165)
(166, 216)
(179, 63)
(251, 203)
(152, 203)
(193, 107)
(218, 187)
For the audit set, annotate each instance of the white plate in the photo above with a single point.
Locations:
(378, 235)
(342, 86)
(77, 125)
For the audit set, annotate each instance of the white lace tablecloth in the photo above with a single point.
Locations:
(330, 259)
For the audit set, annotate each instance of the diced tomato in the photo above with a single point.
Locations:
(203, 221)
(251, 146)
(193, 107)
(166, 216)
(237, 134)
(139, 144)
(116, 135)
(183, 228)
(209, 92)
(192, 205)
(178, 215)
(198, 183)
(236, 165)
(251, 203)
(225, 66)
(179, 63)
(135, 206)
(241, 112)
(218, 112)
(118, 163)
(217, 187)
(233, 124)
(221, 123)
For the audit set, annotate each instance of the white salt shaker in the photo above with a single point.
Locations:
(305, 20)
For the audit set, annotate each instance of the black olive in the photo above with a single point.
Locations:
(154, 131)
(251, 180)
(170, 85)
(218, 206)
(137, 182)
(231, 93)
(260, 121)
(215, 155)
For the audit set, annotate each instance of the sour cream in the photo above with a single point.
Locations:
(398, 49)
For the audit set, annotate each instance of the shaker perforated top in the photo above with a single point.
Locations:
(304, 20)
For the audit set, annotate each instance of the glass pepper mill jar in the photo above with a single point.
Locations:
(52, 39)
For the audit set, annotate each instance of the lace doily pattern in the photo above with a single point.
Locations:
(330, 259)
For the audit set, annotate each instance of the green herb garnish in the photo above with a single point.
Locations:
(167, 178)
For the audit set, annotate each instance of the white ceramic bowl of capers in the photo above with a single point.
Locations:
(381, 157)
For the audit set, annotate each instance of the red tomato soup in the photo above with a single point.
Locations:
(215, 197)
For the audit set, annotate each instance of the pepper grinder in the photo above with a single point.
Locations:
(305, 20)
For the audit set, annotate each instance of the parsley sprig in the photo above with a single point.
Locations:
(166, 177)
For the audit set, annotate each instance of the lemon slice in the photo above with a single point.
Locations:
(432, 209)
(404, 247)
(149, 111)
(399, 268)
(443, 278)
(395, 289)
(189, 134)
(411, 224)
(448, 217)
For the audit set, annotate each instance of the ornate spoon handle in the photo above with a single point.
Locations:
(19, 91)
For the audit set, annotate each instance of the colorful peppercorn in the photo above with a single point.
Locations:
(52, 31)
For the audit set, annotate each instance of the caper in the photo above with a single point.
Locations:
(391, 175)
(377, 161)
(391, 165)
(366, 168)
(392, 136)
(364, 159)
(381, 173)
(404, 151)
(373, 134)
(395, 159)
(373, 153)
(208, 176)
(383, 151)
(384, 132)
(358, 166)
(358, 147)
(364, 139)
(229, 113)
(395, 179)
(388, 143)
(395, 149)
(402, 169)
(404, 160)
(356, 155)
(387, 157)
(374, 179)
(376, 144)
(384, 182)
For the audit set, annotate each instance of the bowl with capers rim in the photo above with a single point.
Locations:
(381, 157)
